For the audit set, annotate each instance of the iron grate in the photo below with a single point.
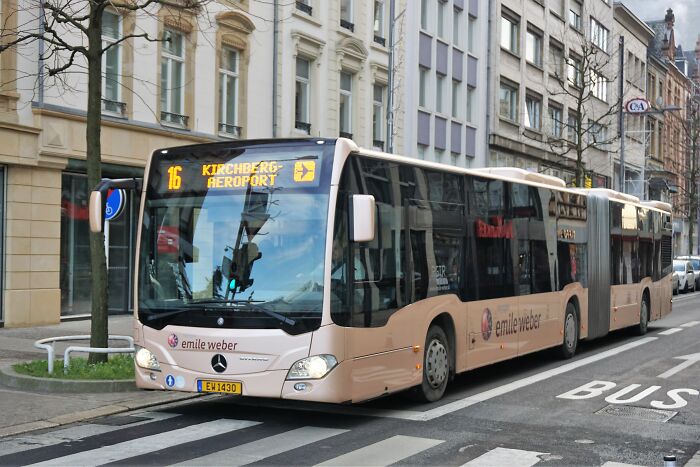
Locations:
(638, 413)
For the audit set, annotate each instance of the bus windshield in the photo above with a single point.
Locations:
(235, 239)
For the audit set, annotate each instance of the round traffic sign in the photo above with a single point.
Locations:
(116, 199)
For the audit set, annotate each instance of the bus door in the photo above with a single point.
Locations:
(493, 308)
(625, 295)
(534, 217)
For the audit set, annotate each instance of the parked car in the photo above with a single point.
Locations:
(686, 275)
(674, 282)
(695, 262)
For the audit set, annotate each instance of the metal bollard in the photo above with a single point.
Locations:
(670, 461)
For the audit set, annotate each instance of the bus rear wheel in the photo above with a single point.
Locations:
(570, 342)
(436, 365)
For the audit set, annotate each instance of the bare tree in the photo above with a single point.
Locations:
(70, 32)
(583, 81)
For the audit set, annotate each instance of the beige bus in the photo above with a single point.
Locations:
(316, 270)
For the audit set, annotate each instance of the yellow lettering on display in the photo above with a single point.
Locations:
(174, 180)
(253, 174)
(304, 171)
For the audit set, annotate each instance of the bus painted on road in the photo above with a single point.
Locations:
(316, 270)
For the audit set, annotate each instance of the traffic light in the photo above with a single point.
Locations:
(242, 265)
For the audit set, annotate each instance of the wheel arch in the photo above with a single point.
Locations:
(445, 321)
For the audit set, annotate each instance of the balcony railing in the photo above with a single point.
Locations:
(347, 25)
(303, 126)
(304, 7)
(230, 130)
(378, 144)
(170, 118)
(345, 134)
(380, 40)
(114, 107)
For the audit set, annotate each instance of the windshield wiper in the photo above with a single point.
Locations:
(249, 305)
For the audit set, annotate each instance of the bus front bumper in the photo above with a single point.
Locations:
(332, 388)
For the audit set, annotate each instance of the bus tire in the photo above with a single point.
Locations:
(436, 365)
(571, 326)
(643, 325)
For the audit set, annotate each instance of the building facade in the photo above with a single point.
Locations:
(443, 85)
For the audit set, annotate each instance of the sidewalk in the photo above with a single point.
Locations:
(27, 409)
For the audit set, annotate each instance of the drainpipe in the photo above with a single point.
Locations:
(275, 33)
(390, 87)
(489, 72)
(40, 71)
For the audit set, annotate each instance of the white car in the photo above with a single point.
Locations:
(695, 262)
(686, 275)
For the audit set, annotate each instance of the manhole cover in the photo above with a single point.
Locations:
(638, 413)
(119, 420)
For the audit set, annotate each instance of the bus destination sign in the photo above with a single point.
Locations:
(242, 175)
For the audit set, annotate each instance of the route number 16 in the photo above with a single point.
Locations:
(174, 180)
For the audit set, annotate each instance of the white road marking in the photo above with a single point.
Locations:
(689, 360)
(146, 444)
(503, 456)
(668, 332)
(690, 324)
(266, 447)
(695, 461)
(74, 433)
(385, 452)
(619, 464)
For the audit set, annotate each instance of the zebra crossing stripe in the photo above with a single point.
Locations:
(668, 332)
(146, 444)
(619, 464)
(503, 456)
(74, 433)
(266, 447)
(385, 452)
(690, 324)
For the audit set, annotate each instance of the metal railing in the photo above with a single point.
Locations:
(380, 40)
(303, 126)
(114, 107)
(304, 7)
(345, 134)
(48, 344)
(173, 118)
(378, 144)
(347, 25)
(230, 130)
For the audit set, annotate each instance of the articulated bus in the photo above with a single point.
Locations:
(312, 269)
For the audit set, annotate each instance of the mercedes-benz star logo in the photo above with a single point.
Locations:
(218, 363)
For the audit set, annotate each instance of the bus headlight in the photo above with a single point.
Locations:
(145, 359)
(315, 367)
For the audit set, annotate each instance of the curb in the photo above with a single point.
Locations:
(11, 379)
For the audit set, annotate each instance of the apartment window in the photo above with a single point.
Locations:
(302, 118)
(440, 93)
(533, 47)
(470, 104)
(533, 116)
(556, 120)
(510, 34)
(172, 78)
(456, 100)
(424, 14)
(556, 60)
(228, 93)
(599, 35)
(345, 110)
(456, 26)
(423, 86)
(346, 15)
(378, 116)
(111, 64)
(575, 15)
(557, 7)
(596, 132)
(508, 97)
(379, 22)
(573, 123)
(471, 35)
(599, 86)
(651, 124)
(441, 7)
(305, 6)
(575, 71)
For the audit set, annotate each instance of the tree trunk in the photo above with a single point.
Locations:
(98, 264)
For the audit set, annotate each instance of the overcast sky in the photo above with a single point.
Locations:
(687, 13)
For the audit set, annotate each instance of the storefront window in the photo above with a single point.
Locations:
(120, 236)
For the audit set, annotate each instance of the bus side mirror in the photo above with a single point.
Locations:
(98, 199)
(364, 213)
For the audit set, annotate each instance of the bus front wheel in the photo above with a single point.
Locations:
(643, 325)
(568, 346)
(436, 365)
